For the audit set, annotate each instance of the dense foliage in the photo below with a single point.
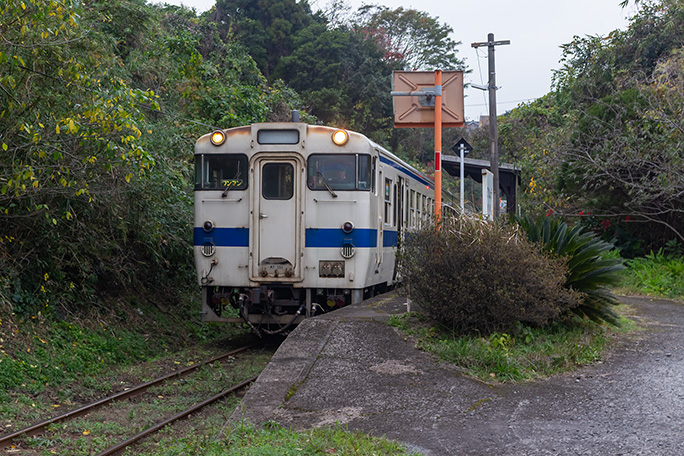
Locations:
(475, 276)
(603, 148)
(101, 103)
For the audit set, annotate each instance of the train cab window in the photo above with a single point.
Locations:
(277, 181)
(339, 172)
(366, 180)
(220, 172)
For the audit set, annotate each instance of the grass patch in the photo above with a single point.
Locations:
(656, 274)
(273, 440)
(526, 354)
(48, 350)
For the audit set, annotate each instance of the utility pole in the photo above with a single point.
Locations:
(493, 132)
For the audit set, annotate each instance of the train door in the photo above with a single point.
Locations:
(381, 221)
(276, 219)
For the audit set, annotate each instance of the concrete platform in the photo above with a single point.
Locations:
(350, 367)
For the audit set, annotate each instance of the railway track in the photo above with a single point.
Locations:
(41, 427)
(121, 447)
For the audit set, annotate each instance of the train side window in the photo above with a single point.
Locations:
(388, 201)
(221, 171)
(396, 206)
(419, 216)
(412, 218)
(277, 181)
(406, 209)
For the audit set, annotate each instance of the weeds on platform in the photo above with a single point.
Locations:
(272, 439)
(523, 354)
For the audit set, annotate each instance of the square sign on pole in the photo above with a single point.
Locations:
(416, 108)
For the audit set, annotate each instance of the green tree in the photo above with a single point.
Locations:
(70, 131)
(411, 39)
(67, 117)
(98, 120)
(265, 27)
(342, 77)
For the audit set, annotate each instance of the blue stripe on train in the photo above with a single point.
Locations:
(389, 239)
(335, 237)
(360, 238)
(222, 237)
(314, 237)
(407, 171)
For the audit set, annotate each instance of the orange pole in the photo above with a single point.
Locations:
(438, 147)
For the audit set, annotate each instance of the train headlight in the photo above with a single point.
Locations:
(347, 227)
(218, 138)
(208, 226)
(340, 137)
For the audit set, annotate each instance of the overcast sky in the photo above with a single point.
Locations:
(535, 28)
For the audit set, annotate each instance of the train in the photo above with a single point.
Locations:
(293, 220)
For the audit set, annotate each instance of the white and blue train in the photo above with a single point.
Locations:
(293, 220)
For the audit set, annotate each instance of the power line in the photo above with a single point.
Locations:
(479, 68)
(504, 102)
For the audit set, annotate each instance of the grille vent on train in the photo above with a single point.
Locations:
(348, 251)
(208, 249)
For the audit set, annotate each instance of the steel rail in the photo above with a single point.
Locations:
(38, 428)
(121, 447)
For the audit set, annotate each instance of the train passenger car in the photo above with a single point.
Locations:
(293, 220)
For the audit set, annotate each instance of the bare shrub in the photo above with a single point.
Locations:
(475, 276)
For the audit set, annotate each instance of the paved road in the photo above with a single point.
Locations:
(353, 369)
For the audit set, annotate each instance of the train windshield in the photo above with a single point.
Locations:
(221, 172)
(340, 172)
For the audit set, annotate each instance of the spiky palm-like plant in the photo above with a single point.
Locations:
(590, 271)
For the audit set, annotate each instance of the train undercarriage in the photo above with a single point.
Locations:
(277, 309)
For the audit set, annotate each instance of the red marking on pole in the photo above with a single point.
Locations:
(438, 160)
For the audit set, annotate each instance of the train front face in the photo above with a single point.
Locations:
(280, 210)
